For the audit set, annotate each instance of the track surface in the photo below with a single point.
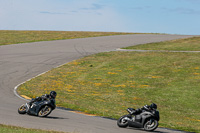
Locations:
(20, 62)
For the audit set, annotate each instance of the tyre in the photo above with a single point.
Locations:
(44, 111)
(150, 125)
(22, 109)
(122, 121)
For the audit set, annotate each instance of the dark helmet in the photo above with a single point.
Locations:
(153, 106)
(53, 94)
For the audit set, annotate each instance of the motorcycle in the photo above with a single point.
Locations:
(148, 120)
(39, 108)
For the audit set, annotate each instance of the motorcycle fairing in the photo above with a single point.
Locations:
(36, 106)
(140, 119)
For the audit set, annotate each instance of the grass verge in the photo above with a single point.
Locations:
(106, 84)
(188, 44)
(14, 37)
(14, 129)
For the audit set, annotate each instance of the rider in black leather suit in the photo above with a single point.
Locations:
(52, 95)
(146, 108)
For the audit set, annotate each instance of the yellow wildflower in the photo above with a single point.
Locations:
(111, 73)
(196, 73)
(156, 77)
(123, 86)
(71, 72)
(119, 91)
(136, 98)
(69, 86)
(97, 84)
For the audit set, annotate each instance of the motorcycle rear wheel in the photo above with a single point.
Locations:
(22, 109)
(150, 126)
(44, 111)
(122, 122)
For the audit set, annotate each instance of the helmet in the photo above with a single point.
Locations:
(53, 94)
(153, 106)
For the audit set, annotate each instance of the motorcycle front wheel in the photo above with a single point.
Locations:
(22, 109)
(122, 121)
(44, 111)
(150, 125)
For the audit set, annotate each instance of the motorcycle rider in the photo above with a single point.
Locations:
(50, 96)
(145, 107)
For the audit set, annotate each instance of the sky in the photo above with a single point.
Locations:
(136, 16)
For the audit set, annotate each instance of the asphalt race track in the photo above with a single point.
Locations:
(20, 62)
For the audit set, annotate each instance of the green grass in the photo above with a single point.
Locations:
(107, 83)
(188, 44)
(14, 37)
(14, 129)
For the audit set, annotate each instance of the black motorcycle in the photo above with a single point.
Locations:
(39, 108)
(148, 120)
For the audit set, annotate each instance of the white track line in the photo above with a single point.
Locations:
(15, 88)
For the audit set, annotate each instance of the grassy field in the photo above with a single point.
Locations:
(14, 37)
(106, 84)
(13, 129)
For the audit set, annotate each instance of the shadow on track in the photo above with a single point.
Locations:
(157, 130)
(140, 129)
(53, 117)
